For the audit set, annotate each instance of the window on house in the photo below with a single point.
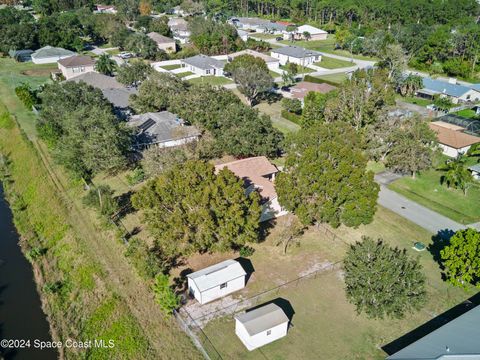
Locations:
(269, 332)
(223, 286)
(207, 72)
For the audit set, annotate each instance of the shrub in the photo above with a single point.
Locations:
(101, 198)
(292, 105)
(164, 294)
(136, 176)
(297, 119)
(246, 251)
(144, 260)
(26, 95)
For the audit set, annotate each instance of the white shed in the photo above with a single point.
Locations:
(216, 281)
(261, 326)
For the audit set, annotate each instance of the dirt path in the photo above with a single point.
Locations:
(164, 335)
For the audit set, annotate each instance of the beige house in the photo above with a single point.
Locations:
(76, 65)
(451, 138)
(259, 175)
(164, 43)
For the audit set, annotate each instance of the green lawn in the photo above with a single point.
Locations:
(467, 113)
(171, 67)
(301, 69)
(324, 321)
(113, 52)
(211, 80)
(334, 78)
(375, 166)
(426, 190)
(274, 111)
(331, 63)
(415, 100)
(184, 74)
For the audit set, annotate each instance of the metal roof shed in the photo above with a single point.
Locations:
(261, 326)
(216, 281)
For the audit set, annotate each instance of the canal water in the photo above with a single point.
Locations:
(21, 316)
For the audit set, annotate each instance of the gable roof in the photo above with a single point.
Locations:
(119, 98)
(475, 87)
(98, 80)
(160, 39)
(217, 274)
(443, 87)
(296, 51)
(300, 90)
(453, 138)
(457, 339)
(204, 62)
(253, 171)
(160, 127)
(76, 60)
(311, 29)
(48, 51)
(252, 21)
(264, 57)
(262, 319)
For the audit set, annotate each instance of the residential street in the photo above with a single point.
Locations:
(416, 213)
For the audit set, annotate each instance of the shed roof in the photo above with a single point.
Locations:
(311, 29)
(264, 57)
(48, 51)
(217, 274)
(77, 60)
(160, 39)
(262, 318)
(443, 87)
(160, 127)
(452, 138)
(204, 62)
(296, 52)
(457, 339)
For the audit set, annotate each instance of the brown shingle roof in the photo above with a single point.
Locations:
(452, 138)
(80, 60)
(300, 90)
(160, 39)
(253, 171)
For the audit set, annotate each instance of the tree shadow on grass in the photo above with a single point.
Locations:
(439, 242)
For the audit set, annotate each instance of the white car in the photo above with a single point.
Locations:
(125, 55)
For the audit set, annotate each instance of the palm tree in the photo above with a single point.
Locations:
(456, 174)
(306, 35)
(105, 65)
(410, 85)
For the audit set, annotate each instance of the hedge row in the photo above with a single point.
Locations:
(297, 119)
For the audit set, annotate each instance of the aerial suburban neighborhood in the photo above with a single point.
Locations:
(200, 179)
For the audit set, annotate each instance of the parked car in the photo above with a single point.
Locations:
(125, 55)
(279, 38)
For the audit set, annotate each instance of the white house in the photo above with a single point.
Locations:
(315, 33)
(163, 42)
(258, 174)
(296, 55)
(272, 63)
(162, 129)
(261, 326)
(179, 28)
(50, 55)
(216, 281)
(451, 138)
(76, 65)
(203, 65)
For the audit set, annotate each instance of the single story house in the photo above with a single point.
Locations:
(456, 339)
(117, 94)
(272, 63)
(216, 281)
(475, 170)
(258, 174)
(105, 9)
(296, 55)
(455, 92)
(258, 25)
(76, 65)
(203, 65)
(315, 33)
(261, 326)
(50, 55)
(21, 55)
(162, 129)
(451, 138)
(301, 89)
(163, 43)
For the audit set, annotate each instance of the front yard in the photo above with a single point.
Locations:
(324, 321)
(331, 63)
(211, 80)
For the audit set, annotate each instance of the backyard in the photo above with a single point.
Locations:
(333, 78)
(324, 321)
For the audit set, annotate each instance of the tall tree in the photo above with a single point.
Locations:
(325, 177)
(190, 208)
(456, 175)
(381, 281)
(134, 74)
(461, 258)
(105, 65)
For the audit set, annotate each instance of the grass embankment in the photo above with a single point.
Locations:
(323, 320)
(427, 191)
(77, 297)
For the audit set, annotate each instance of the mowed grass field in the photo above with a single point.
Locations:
(324, 322)
(211, 80)
(427, 190)
(331, 63)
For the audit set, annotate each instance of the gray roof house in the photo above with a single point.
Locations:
(454, 91)
(163, 129)
(50, 55)
(297, 55)
(457, 339)
(204, 65)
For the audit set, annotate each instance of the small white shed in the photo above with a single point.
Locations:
(261, 326)
(216, 281)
